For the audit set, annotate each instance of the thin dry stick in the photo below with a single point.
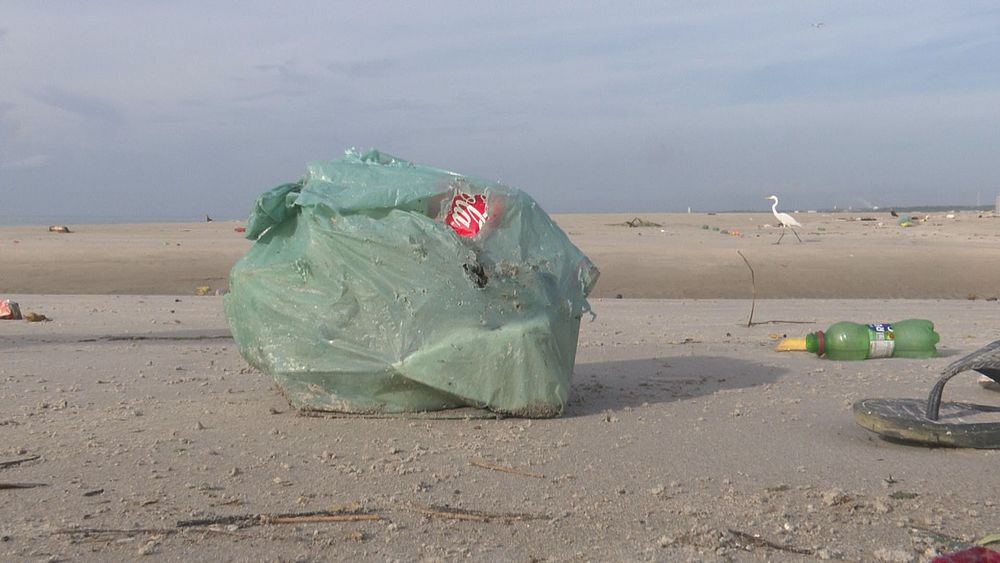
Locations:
(113, 531)
(220, 520)
(472, 515)
(319, 518)
(761, 542)
(22, 485)
(753, 282)
(13, 462)
(753, 301)
(505, 469)
(295, 518)
(450, 513)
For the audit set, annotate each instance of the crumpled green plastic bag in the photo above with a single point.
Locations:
(376, 286)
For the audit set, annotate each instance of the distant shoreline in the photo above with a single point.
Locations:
(46, 220)
(851, 255)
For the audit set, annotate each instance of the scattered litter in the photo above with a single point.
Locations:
(36, 317)
(202, 290)
(637, 222)
(59, 229)
(240, 229)
(9, 310)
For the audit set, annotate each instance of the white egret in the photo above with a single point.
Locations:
(786, 220)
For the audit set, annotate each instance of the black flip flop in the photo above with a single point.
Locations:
(933, 423)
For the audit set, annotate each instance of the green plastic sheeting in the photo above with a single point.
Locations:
(376, 286)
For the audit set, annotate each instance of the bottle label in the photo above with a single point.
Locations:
(467, 214)
(881, 340)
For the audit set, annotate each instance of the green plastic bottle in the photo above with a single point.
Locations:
(912, 338)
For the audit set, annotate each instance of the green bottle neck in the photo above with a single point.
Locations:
(815, 343)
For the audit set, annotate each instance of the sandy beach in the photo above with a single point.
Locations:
(689, 256)
(130, 417)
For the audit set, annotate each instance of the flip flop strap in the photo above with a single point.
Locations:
(986, 361)
(934, 399)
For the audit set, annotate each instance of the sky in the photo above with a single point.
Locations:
(120, 111)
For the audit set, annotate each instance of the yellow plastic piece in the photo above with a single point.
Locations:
(791, 345)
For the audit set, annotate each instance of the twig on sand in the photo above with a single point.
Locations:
(310, 518)
(505, 469)
(753, 282)
(753, 299)
(113, 531)
(761, 542)
(22, 485)
(295, 518)
(245, 519)
(470, 515)
(13, 462)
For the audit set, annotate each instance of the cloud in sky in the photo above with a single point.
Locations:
(199, 108)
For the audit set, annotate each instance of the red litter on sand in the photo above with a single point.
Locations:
(240, 229)
(9, 310)
(978, 554)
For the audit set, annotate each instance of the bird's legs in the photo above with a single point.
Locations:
(783, 227)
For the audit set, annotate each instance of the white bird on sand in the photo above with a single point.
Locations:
(786, 220)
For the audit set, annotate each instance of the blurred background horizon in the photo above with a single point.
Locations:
(131, 112)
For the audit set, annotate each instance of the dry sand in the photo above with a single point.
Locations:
(841, 257)
(687, 438)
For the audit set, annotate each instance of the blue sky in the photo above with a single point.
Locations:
(143, 110)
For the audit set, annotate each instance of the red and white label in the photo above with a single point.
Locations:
(467, 214)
